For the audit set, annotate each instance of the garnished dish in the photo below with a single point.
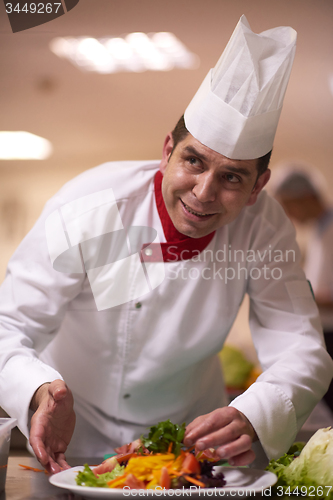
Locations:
(160, 460)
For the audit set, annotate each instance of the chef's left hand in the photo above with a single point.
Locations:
(227, 430)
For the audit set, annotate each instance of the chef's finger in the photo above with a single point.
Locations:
(43, 457)
(58, 389)
(203, 420)
(227, 434)
(209, 423)
(61, 461)
(52, 467)
(245, 458)
(192, 425)
(240, 445)
(39, 450)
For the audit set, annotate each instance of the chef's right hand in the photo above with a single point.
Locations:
(52, 424)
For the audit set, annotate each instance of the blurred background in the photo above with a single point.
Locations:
(90, 117)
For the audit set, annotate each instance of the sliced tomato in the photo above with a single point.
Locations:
(134, 483)
(107, 466)
(165, 480)
(122, 449)
(129, 448)
(191, 465)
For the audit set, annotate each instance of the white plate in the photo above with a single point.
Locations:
(238, 480)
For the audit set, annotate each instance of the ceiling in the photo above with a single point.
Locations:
(92, 118)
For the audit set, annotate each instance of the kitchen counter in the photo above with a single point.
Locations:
(22, 484)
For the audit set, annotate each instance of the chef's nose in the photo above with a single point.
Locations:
(205, 187)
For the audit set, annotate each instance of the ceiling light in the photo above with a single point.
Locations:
(118, 48)
(23, 146)
(135, 52)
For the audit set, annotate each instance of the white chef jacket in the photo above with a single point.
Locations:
(152, 358)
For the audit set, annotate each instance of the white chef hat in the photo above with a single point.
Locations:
(237, 107)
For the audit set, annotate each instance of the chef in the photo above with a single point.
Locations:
(116, 303)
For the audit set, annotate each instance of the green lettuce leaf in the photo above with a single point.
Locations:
(88, 478)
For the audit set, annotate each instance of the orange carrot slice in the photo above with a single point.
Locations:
(194, 481)
(27, 467)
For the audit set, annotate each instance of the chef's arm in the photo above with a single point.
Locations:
(296, 367)
(33, 301)
(52, 424)
(226, 429)
(287, 336)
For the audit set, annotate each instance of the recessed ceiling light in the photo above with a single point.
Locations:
(135, 52)
(23, 146)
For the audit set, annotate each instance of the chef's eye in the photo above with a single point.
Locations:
(194, 164)
(233, 179)
(193, 161)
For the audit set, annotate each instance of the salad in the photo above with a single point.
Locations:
(157, 461)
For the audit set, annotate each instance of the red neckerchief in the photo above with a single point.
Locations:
(178, 246)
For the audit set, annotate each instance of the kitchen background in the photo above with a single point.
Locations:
(91, 117)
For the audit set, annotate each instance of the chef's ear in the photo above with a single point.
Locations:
(167, 150)
(259, 185)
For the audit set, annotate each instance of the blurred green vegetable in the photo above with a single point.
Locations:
(236, 368)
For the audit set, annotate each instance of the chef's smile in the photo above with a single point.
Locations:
(195, 214)
(204, 190)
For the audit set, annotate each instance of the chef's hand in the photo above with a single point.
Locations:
(52, 424)
(226, 429)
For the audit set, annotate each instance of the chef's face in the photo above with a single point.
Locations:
(202, 189)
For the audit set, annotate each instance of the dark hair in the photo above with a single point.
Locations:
(180, 132)
(263, 162)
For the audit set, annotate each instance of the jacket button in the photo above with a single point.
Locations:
(138, 305)
(148, 252)
(126, 396)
